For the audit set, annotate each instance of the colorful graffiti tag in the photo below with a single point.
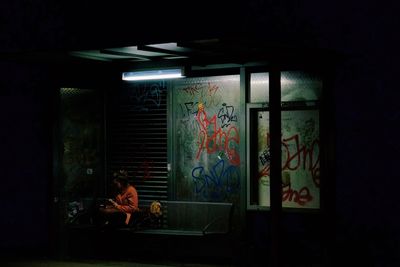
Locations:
(219, 180)
(212, 138)
(300, 157)
(207, 137)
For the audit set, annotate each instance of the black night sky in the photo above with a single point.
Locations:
(365, 91)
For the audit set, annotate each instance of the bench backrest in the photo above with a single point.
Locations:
(209, 217)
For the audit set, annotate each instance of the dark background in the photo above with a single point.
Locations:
(365, 226)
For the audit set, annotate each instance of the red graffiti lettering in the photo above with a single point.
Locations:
(143, 171)
(301, 197)
(298, 156)
(145, 168)
(212, 89)
(192, 90)
(264, 171)
(200, 93)
(213, 139)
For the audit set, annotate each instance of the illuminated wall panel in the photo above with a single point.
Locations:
(206, 141)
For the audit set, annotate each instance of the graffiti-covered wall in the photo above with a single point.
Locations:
(206, 140)
(300, 158)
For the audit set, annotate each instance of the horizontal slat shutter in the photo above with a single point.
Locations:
(137, 137)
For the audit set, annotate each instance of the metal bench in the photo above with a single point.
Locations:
(183, 229)
(189, 218)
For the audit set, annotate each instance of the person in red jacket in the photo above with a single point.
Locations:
(125, 202)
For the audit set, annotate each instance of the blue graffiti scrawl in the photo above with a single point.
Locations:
(147, 96)
(218, 183)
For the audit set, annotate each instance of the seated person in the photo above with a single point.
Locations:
(120, 209)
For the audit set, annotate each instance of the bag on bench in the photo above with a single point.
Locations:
(148, 217)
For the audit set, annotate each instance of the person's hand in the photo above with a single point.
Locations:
(112, 202)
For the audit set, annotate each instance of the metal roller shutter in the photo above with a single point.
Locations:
(137, 137)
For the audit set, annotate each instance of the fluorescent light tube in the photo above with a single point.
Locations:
(152, 75)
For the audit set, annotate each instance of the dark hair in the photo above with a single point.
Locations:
(122, 180)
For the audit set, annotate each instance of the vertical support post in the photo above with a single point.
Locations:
(105, 140)
(171, 133)
(276, 163)
(327, 171)
(56, 226)
(244, 91)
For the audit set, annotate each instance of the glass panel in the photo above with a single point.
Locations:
(206, 139)
(300, 159)
(295, 86)
(259, 87)
(81, 121)
(300, 86)
(263, 161)
(258, 156)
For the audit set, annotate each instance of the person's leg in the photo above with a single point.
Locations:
(117, 219)
(113, 216)
(104, 214)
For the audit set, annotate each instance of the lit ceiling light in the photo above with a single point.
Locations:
(152, 75)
